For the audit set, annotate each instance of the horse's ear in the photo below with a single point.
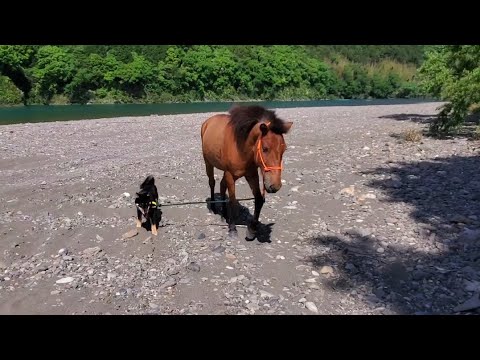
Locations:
(287, 126)
(263, 129)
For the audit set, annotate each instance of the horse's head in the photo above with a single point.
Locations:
(269, 149)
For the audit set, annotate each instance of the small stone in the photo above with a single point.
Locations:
(219, 249)
(363, 232)
(111, 276)
(80, 213)
(99, 238)
(65, 280)
(43, 183)
(311, 280)
(67, 258)
(472, 286)
(380, 250)
(265, 294)
(302, 300)
(380, 293)
(201, 236)
(63, 251)
(153, 305)
(280, 257)
(130, 234)
(326, 270)
(470, 304)
(348, 190)
(193, 266)
(350, 266)
(314, 273)
(460, 219)
(396, 184)
(126, 194)
(92, 251)
(469, 235)
(230, 256)
(169, 283)
(311, 306)
(370, 196)
(419, 275)
(54, 292)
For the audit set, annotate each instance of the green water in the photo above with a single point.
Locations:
(41, 113)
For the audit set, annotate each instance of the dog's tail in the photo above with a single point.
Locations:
(149, 181)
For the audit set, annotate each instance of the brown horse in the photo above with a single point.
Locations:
(239, 143)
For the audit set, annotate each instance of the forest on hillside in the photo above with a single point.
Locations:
(60, 74)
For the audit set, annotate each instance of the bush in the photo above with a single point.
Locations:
(9, 94)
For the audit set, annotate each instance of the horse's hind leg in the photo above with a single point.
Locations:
(211, 180)
(232, 205)
(223, 190)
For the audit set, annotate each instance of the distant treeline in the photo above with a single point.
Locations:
(171, 73)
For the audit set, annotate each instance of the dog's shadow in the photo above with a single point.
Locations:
(147, 225)
(264, 231)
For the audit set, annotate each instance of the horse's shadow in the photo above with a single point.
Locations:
(264, 231)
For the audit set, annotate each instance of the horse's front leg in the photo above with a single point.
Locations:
(232, 205)
(253, 181)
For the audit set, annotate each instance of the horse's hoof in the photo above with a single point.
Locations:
(251, 235)
(233, 234)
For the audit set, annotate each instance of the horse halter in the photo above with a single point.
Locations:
(259, 152)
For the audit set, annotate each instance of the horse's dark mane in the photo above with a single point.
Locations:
(244, 118)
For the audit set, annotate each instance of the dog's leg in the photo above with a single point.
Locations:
(154, 228)
(138, 220)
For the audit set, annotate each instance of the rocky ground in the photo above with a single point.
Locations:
(365, 223)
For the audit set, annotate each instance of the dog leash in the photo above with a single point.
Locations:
(201, 202)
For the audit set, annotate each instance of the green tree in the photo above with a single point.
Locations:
(54, 68)
(14, 59)
(452, 73)
(9, 93)
(135, 75)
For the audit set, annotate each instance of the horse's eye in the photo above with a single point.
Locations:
(265, 149)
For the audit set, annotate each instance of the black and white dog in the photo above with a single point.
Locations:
(147, 204)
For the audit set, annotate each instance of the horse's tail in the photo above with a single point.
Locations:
(149, 181)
